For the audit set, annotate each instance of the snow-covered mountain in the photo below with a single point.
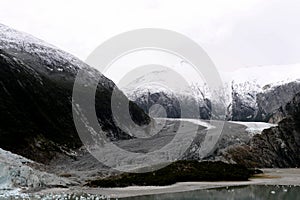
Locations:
(258, 92)
(36, 84)
(243, 105)
(251, 98)
(147, 98)
(253, 102)
(275, 147)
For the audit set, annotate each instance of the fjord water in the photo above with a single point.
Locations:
(242, 193)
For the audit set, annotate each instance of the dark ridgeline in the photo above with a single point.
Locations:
(275, 147)
(36, 82)
(248, 102)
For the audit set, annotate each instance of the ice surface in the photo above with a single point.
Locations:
(255, 127)
(15, 173)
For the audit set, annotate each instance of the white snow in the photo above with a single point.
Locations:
(200, 122)
(264, 75)
(271, 86)
(255, 127)
(8, 157)
(246, 82)
(16, 174)
(18, 43)
(23, 42)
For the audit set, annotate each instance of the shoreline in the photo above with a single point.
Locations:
(289, 176)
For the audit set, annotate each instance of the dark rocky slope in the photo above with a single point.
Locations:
(275, 147)
(171, 105)
(245, 101)
(243, 105)
(271, 102)
(250, 102)
(36, 82)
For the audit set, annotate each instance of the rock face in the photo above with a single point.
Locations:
(171, 104)
(243, 106)
(271, 102)
(36, 82)
(275, 147)
(251, 102)
(247, 101)
(225, 135)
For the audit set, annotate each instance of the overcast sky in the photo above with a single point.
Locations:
(235, 33)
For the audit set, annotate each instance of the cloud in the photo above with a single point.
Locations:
(235, 33)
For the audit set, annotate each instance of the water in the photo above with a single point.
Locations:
(242, 193)
(51, 196)
(257, 192)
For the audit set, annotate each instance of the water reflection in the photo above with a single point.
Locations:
(243, 192)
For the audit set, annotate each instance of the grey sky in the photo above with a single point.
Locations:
(235, 33)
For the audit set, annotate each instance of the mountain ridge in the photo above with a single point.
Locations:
(274, 147)
(243, 101)
(36, 98)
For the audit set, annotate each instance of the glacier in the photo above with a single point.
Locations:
(18, 174)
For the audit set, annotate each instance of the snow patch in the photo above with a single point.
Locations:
(23, 42)
(200, 122)
(255, 127)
